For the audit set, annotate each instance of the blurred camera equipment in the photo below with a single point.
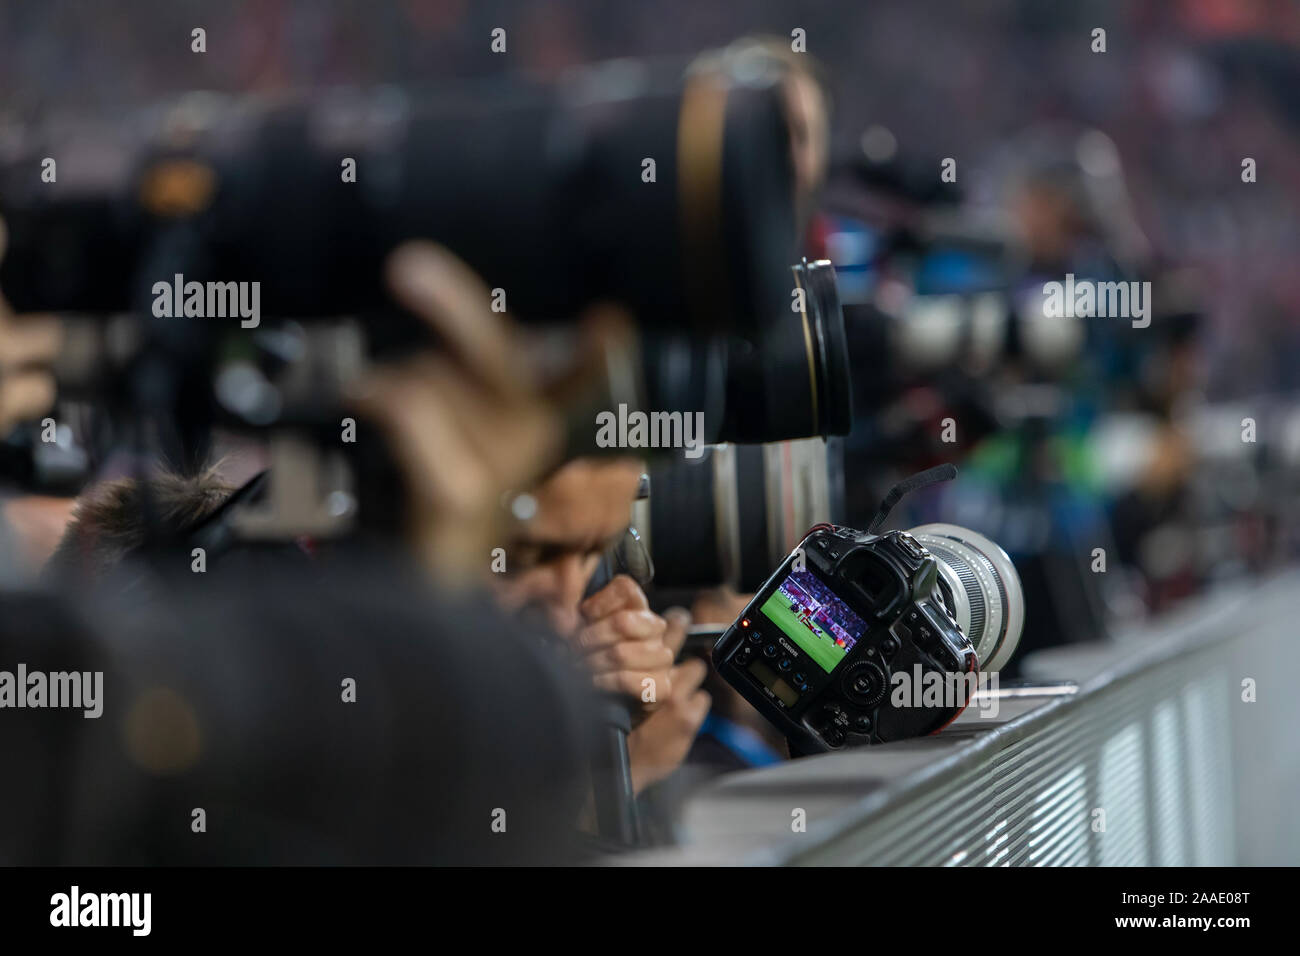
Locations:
(552, 203)
(540, 190)
(728, 516)
(793, 381)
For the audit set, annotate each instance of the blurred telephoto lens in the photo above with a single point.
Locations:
(550, 198)
(733, 514)
(791, 380)
(981, 589)
(693, 519)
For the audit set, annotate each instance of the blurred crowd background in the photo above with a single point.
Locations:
(1186, 90)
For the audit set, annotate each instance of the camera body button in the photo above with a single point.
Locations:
(865, 684)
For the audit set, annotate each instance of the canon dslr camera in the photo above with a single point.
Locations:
(839, 644)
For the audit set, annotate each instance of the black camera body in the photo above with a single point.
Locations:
(819, 648)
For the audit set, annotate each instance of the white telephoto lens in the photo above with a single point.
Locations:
(988, 600)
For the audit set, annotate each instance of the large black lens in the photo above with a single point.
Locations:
(791, 380)
(694, 519)
(684, 373)
(546, 193)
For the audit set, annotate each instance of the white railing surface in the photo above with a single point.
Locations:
(1178, 745)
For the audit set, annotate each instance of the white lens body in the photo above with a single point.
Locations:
(1003, 618)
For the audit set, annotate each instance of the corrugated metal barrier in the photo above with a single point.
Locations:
(1179, 745)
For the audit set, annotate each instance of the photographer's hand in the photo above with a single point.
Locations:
(472, 420)
(719, 606)
(660, 743)
(626, 645)
(28, 346)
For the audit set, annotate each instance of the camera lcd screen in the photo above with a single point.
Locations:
(814, 618)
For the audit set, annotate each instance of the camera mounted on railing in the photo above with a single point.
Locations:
(862, 638)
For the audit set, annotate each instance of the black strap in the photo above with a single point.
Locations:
(931, 476)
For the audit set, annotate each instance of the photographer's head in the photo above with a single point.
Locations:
(581, 511)
(580, 515)
(111, 521)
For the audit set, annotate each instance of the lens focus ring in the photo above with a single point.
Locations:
(985, 586)
(969, 584)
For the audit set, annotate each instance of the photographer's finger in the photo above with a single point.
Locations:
(621, 592)
(692, 710)
(630, 656)
(604, 356)
(678, 623)
(638, 684)
(515, 443)
(437, 286)
(689, 675)
(423, 434)
(624, 625)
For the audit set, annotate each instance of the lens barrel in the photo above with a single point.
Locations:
(982, 588)
(732, 515)
(791, 380)
(545, 192)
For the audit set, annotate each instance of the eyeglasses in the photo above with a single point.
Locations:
(629, 555)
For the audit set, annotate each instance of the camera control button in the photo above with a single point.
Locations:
(770, 651)
(862, 724)
(910, 545)
(800, 677)
(865, 684)
(785, 664)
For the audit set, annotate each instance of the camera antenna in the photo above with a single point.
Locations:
(931, 476)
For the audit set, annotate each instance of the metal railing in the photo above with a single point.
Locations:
(1177, 747)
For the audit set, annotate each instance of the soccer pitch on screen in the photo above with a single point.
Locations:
(821, 647)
